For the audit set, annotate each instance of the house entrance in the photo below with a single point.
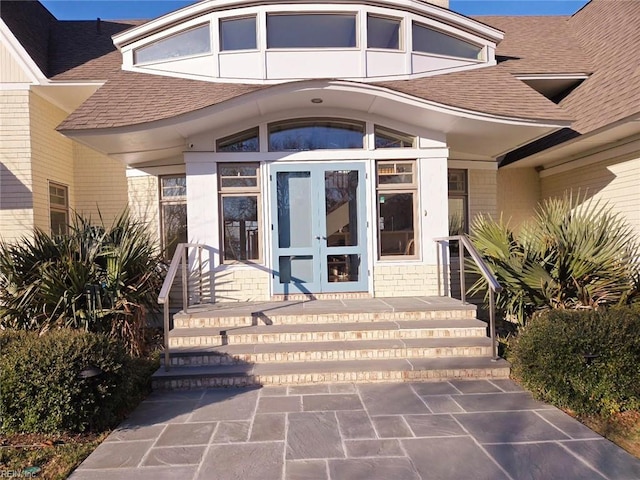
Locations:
(319, 228)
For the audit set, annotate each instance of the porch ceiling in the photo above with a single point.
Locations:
(468, 133)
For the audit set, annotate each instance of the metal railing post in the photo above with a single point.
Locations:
(492, 283)
(200, 273)
(165, 311)
(440, 270)
(492, 325)
(463, 288)
(185, 279)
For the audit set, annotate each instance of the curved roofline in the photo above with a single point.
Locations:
(343, 85)
(207, 6)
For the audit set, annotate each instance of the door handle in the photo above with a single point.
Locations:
(318, 237)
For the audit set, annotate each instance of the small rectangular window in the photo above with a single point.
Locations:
(191, 42)
(173, 213)
(383, 32)
(238, 34)
(315, 30)
(59, 209)
(239, 193)
(397, 200)
(458, 201)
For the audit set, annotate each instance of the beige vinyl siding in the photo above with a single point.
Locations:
(100, 184)
(482, 193)
(10, 70)
(616, 181)
(518, 194)
(51, 157)
(16, 216)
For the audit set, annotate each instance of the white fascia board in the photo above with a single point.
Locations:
(552, 76)
(202, 8)
(20, 55)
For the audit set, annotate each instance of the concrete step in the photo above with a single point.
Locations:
(260, 334)
(325, 311)
(330, 351)
(344, 371)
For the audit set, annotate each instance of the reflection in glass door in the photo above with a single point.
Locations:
(319, 229)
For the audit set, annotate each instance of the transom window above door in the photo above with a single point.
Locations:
(315, 134)
(306, 134)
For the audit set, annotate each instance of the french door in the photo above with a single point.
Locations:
(318, 228)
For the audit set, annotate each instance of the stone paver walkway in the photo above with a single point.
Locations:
(460, 430)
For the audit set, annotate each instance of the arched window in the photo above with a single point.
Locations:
(315, 134)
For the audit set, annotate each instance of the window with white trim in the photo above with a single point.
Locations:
(239, 195)
(383, 32)
(173, 213)
(311, 30)
(397, 201)
(428, 40)
(238, 34)
(194, 41)
(59, 208)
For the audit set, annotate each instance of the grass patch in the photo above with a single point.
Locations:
(623, 429)
(55, 455)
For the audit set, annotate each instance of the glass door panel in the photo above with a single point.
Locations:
(294, 204)
(319, 228)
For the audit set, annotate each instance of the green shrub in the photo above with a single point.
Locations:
(40, 387)
(576, 253)
(587, 361)
(44, 280)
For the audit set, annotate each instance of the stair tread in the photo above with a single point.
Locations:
(237, 349)
(448, 363)
(327, 307)
(326, 327)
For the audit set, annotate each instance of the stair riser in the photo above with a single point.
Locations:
(318, 356)
(329, 377)
(187, 321)
(217, 340)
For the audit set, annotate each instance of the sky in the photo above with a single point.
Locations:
(147, 9)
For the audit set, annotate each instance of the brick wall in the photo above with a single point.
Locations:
(240, 283)
(404, 280)
(144, 202)
(100, 184)
(518, 194)
(482, 193)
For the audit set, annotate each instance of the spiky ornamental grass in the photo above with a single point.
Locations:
(44, 280)
(576, 253)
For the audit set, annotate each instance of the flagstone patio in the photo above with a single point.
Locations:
(477, 429)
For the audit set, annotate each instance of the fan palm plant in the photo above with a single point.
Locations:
(576, 253)
(95, 278)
